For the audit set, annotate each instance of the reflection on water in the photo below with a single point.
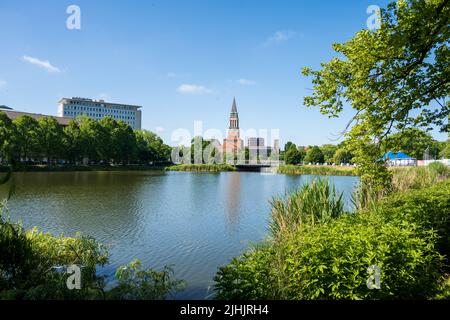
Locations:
(233, 191)
(194, 222)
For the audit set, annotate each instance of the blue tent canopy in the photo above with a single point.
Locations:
(396, 156)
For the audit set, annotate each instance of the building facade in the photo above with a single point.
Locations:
(99, 109)
(276, 146)
(255, 143)
(233, 143)
(256, 148)
(13, 114)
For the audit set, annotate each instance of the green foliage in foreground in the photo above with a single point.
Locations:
(407, 237)
(404, 179)
(136, 283)
(319, 170)
(313, 203)
(33, 265)
(202, 167)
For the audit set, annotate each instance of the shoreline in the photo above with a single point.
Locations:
(83, 168)
(194, 168)
(199, 168)
(317, 170)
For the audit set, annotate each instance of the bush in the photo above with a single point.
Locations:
(331, 261)
(30, 260)
(405, 237)
(33, 265)
(249, 277)
(136, 283)
(429, 208)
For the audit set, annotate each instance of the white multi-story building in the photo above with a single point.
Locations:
(99, 109)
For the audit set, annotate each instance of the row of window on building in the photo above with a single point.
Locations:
(82, 108)
(96, 104)
(97, 115)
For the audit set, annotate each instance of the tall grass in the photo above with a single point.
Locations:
(418, 177)
(403, 179)
(315, 202)
(319, 170)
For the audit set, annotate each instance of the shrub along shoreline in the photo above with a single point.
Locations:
(317, 170)
(33, 266)
(202, 167)
(314, 254)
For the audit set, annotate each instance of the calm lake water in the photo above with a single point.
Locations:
(193, 222)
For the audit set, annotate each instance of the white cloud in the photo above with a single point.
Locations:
(159, 129)
(246, 82)
(42, 64)
(280, 36)
(2, 83)
(193, 89)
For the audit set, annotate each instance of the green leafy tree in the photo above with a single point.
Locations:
(150, 147)
(50, 137)
(445, 151)
(198, 145)
(25, 136)
(396, 77)
(106, 146)
(314, 155)
(413, 142)
(288, 145)
(342, 155)
(6, 137)
(89, 129)
(328, 151)
(124, 140)
(73, 141)
(293, 155)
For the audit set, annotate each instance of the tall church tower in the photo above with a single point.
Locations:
(233, 143)
(234, 121)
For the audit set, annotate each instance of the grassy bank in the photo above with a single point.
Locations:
(202, 167)
(318, 170)
(404, 179)
(316, 250)
(70, 168)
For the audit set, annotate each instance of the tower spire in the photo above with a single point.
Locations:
(234, 117)
(234, 108)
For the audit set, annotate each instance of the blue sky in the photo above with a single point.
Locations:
(181, 60)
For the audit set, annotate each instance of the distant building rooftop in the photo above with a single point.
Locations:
(396, 156)
(15, 114)
(97, 101)
(3, 107)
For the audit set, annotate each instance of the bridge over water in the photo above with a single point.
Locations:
(258, 167)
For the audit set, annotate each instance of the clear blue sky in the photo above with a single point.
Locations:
(181, 60)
